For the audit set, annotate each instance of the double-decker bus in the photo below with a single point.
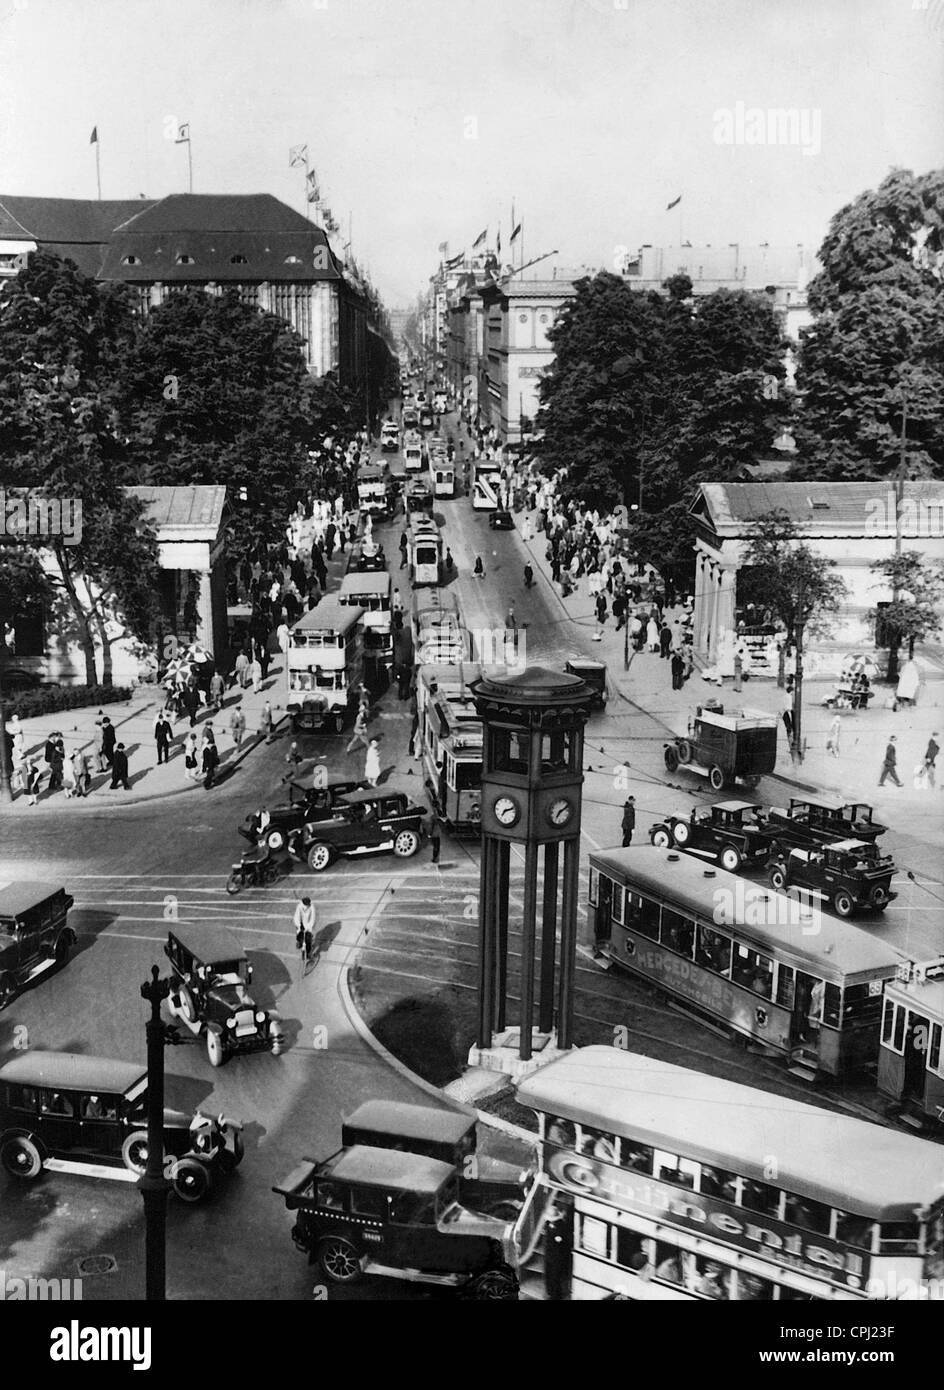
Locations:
(375, 494)
(801, 984)
(437, 629)
(424, 551)
(324, 665)
(371, 593)
(486, 485)
(664, 1183)
(412, 452)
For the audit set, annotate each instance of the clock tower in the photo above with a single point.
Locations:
(532, 775)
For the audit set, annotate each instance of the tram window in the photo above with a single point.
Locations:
(637, 1156)
(668, 1263)
(751, 1288)
(594, 886)
(718, 1182)
(642, 915)
(899, 1237)
(934, 1048)
(680, 1171)
(598, 1144)
(468, 776)
(594, 1236)
(713, 950)
(753, 970)
(508, 750)
(854, 1230)
(788, 1295)
(812, 1216)
(678, 933)
(859, 1004)
(556, 751)
(616, 907)
(786, 986)
(632, 1249)
(888, 1023)
(709, 1278)
(561, 1132)
(760, 1196)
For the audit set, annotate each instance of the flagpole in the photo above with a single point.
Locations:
(98, 167)
(190, 160)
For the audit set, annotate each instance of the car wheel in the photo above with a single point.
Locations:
(134, 1151)
(21, 1158)
(270, 872)
(7, 990)
(185, 1008)
(215, 1049)
(191, 1180)
(684, 750)
(340, 1261)
(730, 859)
(406, 843)
(716, 778)
(661, 838)
(778, 877)
(495, 1283)
(234, 883)
(63, 946)
(671, 758)
(681, 833)
(275, 840)
(319, 857)
(880, 899)
(843, 903)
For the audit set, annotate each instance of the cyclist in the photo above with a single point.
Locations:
(304, 921)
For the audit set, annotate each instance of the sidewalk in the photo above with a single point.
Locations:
(864, 734)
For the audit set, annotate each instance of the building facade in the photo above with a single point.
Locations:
(518, 315)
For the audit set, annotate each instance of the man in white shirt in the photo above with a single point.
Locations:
(305, 920)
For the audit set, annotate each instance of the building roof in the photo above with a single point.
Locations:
(538, 289)
(17, 897)
(816, 509)
(218, 212)
(77, 229)
(195, 510)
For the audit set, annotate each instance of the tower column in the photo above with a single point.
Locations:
(502, 876)
(565, 1008)
(486, 945)
(528, 947)
(549, 938)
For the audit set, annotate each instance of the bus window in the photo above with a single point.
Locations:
(713, 951)
(854, 1230)
(616, 905)
(750, 1288)
(680, 1171)
(561, 1132)
(668, 1264)
(637, 1156)
(642, 915)
(760, 1196)
(859, 1004)
(708, 1278)
(718, 1182)
(678, 933)
(593, 1236)
(632, 1250)
(595, 1142)
(753, 970)
(812, 1216)
(899, 1237)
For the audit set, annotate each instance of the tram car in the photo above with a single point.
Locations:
(424, 552)
(726, 746)
(452, 741)
(439, 636)
(911, 1053)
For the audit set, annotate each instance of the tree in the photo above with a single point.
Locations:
(797, 584)
(914, 612)
(875, 348)
(62, 453)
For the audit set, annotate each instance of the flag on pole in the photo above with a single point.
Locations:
(498, 244)
(514, 234)
(298, 154)
(674, 204)
(454, 261)
(479, 239)
(183, 134)
(443, 247)
(93, 139)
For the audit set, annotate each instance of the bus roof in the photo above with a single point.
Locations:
(73, 1071)
(209, 944)
(837, 948)
(17, 897)
(368, 582)
(435, 601)
(329, 616)
(388, 1168)
(863, 1168)
(396, 1118)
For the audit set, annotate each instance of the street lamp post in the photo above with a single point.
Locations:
(899, 496)
(6, 792)
(153, 1184)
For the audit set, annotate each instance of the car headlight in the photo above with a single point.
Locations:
(231, 1023)
(260, 1017)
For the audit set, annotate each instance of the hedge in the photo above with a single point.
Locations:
(59, 697)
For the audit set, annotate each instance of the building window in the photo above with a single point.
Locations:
(239, 259)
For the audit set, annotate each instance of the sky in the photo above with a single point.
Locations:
(427, 119)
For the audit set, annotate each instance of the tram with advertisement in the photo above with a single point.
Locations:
(424, 552)
(451, 740)
(794, 981)
(436, 627)
(324, 666)
(659, 1183)
(486, 485)
(911, 1052)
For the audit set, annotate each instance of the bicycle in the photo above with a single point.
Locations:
(307, 954)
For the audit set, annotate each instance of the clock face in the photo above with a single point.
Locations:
(560, 811)
(507, 810)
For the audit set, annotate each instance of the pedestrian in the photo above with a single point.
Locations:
(889, 763)
(404, 543)
(119, 769)
(241, 669)
(629, 820)
(435, 836)
(265, 656)
(652, 635)
(786, 707)
(832, 740)
(930, 758)
(677, 664)
(216, 692)
(106, 745)
(55, 756)
(211, 761)
(265, 722)
(359, 737)
(31, 781)
(237, 727)
(738, 670)
(511, 622)
(601, 616)
(163, 733)
(478, 569)
(80, 773)
(372, 763)
(255, 675)
(449, 563)
(665, 638)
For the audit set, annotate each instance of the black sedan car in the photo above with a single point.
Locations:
(729, 832)
(501, 521)
(364, 822)
(317, 803)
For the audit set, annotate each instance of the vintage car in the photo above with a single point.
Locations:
(501, 521)
(366, 557)
(210, 993)
(315, 804)
(35, 934)
(805, 823)
(70, 1113)
(849, 874)
(366, 822)
(390, 436)
(729, 832)
(594, 673)
(726, 746)
(377, 1211)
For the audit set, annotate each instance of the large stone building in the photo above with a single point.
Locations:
(272, 256)
(518, 315)
(854, 524)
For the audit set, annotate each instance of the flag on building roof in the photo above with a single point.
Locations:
(443, 247)
(93, 140)
(298, 154)
(514, 234)
(674, 203)
(454, 261)
(479, 239)
(183, 134)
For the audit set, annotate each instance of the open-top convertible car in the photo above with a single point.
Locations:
(806, 822)
(849, 874)
(35, 934)
(70, 1113)
(210, 993)
(365, 822)
(729, 832)
(382, 1211)
(316, 803)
